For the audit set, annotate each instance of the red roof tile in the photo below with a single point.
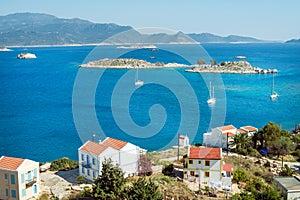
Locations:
(227, 167)
(93, 147)
(114, 143)
(10, 163)
(96, 148)
(230, 134)
(250, 128)
(241, 131)
(227, 128)
(205, 153)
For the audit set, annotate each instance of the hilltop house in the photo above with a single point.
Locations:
(92, 154)
(205, 166)
(223, 135)
(183, 141)
(19, 178)
(220, 136)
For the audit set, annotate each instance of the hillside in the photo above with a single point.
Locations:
(25, 29)
(293, 41)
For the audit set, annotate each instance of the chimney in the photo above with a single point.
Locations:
(100, 141)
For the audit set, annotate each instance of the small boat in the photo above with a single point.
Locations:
(4, 49)
(26, 56)
(241, 57)
(138, 82)
(274, 95)
(212, 99)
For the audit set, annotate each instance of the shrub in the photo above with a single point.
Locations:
(240, 175)
(63, 164)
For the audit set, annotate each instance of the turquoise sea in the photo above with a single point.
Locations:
(47, 109)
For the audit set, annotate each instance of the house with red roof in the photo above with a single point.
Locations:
(250, 130)
(220, 136)
(206, 167)
(19, 178)
(92, 154)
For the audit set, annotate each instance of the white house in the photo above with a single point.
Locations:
(205, 166)
(183, 140)
(250, 130)
(220, 136)
(92, 154)
(289, 186)
(19, 178)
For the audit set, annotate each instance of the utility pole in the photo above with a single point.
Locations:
(178, 147)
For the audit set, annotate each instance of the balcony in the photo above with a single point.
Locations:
(30, 183)
(86, 165)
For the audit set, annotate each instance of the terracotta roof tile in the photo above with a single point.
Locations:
(230, 134)
(97, 149)
(226, 128)
(205, 153)
(93, 147)
(10, 163)
(250, 128)
(227, 167)
(241, 131)
(114, 143)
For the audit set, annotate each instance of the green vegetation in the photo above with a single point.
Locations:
(112, 185)
(240, 175)
(63, 164)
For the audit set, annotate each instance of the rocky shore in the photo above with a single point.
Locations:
(231, 67)
(128, 63)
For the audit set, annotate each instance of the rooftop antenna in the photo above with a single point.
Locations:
(93, 138)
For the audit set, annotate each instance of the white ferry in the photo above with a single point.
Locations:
(26, 56)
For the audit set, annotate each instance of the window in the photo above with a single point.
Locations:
(29, 176)
(22, 178)
(82, 170)
(94, 174)
(87, 159)
(82, 157)
(6, 192)
(35, 172)
(23, 192)
(206, 174)
(199, 162)
(192, 173)
(12, 179)
(94, 161)
(207, 163)
(5, 176)
(88, 172)
(197, 175)
(13, 193)
(191, 162)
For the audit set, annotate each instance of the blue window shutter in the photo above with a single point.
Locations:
(13, 193)
(6, 192)
(12, 179)
(35, 172)
(22, 178)
(23, 192)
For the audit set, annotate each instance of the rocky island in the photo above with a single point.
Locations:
(230, 67)
(128, 63)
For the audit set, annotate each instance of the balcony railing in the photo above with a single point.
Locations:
(30, 183)
(86, 165)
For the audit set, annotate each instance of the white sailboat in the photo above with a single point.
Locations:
(274, 95)
(212, 99)
(138, 82)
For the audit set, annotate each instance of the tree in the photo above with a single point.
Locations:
(240, 175)
(144, 189)
(270, 132)
(201, 62)
(110, 183)
(281, 147)
(81, 179)
(241, 142)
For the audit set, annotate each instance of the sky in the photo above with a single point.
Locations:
(262, 19)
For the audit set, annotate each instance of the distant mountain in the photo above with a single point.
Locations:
(43, 29)
(210, 38)
(293, 41)
(24, 29)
